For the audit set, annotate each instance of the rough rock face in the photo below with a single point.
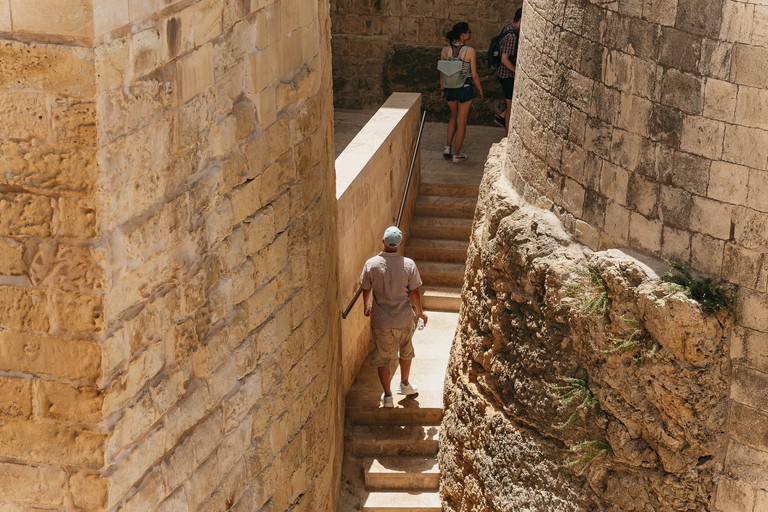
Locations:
(544, 317)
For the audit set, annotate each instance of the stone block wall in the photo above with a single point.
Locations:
(168, 257)
(383, 46)
(371, 175)
(557, 346)
(642, 124)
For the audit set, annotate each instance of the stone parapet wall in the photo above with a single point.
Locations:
(371, 175)
(392, 45)
(168, 257)
(642, 125)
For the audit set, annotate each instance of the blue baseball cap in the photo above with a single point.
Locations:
(393, 237)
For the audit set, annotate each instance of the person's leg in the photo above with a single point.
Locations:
(454, 106)
(406, 356)
(385, 376)
(383, 347)
(405, 369)
(461, 125)
(506, 116)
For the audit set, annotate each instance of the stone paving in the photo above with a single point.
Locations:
(476, 143)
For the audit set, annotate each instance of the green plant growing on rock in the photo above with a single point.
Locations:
(630, 321)
(591, 296)
(575, 390)
(590, 450)
(712, 298)
(624, 344)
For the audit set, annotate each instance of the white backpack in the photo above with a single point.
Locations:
(451, 68)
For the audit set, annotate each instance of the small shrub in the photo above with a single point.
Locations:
(590, 450)
(711, 297)
(591, 296)
(575, 390)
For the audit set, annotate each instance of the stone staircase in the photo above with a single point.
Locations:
(440, 231)
(390, 459)
(396, 448)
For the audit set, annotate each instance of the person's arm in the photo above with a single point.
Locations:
(473, 69)
(440, 76)
(367, 306)
(416, 299)
(508, 63)
(508, 43)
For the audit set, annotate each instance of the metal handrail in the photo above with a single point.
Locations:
(402, 207)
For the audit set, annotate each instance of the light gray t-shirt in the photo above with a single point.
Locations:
(391, 276)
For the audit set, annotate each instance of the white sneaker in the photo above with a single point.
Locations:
(407, 389)
(460, 157)
(447, 152)
(387, 401)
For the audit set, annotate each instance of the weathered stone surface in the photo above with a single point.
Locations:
(45, 167)
(50, 356)
(72, 268)
(531, 320)
(195, 72)
(23, 309)
(25, 214)
(728, 183)
(10, 258)
(78, 313)
(15, 397)
(750, 66)
(50, 443)
(68, 403)
(734, 496)
(89, 492)
(52, 68)
(25, 116)
(14, 484)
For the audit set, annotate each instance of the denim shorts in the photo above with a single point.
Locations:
(461, 94)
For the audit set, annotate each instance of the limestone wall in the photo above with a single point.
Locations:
(383, 46)
(370, 179)
(559, 346)
(168, 256)
(642, 125)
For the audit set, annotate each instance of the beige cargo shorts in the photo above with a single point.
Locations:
(386, 343)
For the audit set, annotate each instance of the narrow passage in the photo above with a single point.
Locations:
(390, 454)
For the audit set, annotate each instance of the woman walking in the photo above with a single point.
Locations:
(459, 97)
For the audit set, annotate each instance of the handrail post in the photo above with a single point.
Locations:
(402, 207)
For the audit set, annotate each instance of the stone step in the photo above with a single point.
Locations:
(402, 502)
(453, 251)
(441, 228)
(446, 206)
(364, 407)
(387, 440)
(437, 273)
(441, 298)
(454, 185)
(395, 416)
(427, 372)
(402, 473)
(436, 163)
